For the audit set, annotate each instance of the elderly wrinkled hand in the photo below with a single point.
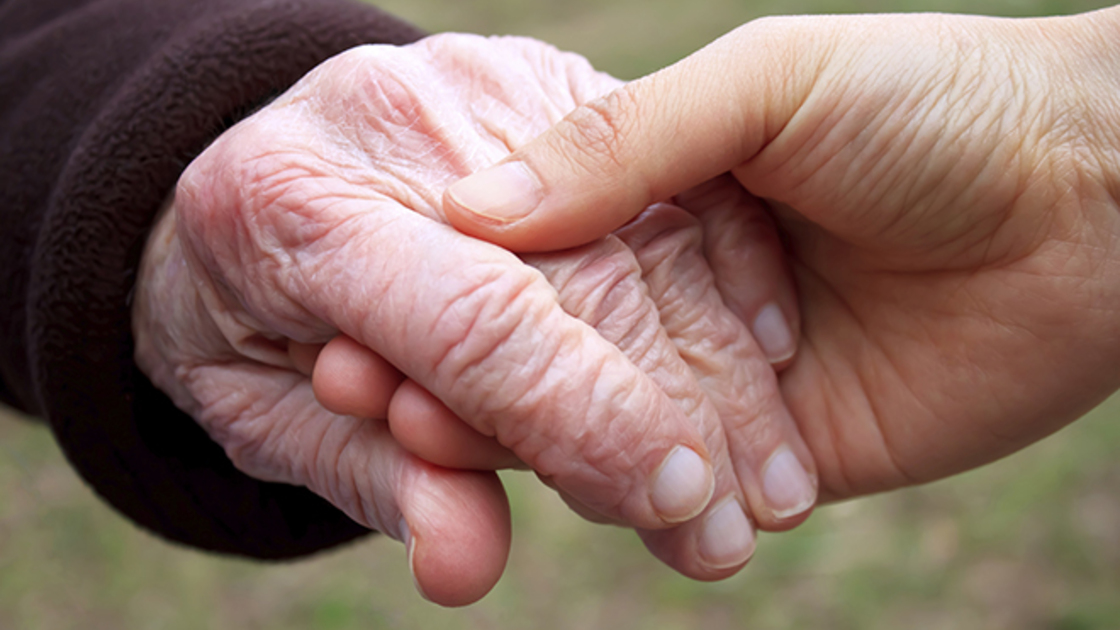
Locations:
(622, 372)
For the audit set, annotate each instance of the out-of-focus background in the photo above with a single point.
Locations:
(1030, 542)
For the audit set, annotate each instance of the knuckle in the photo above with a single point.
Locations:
(241, 180)
(335, 450)
(488, 347)
(723, 195)
(201, 194)
(593, 446)
(598, 283)
(736, 245)
(601, 284)
(242, 424)
(354, 58)
(254, 209)
(668, 245)
(261, 422)
(511, 372)
(753, 425)
(600, 130)
(457, 46)
(662, 232)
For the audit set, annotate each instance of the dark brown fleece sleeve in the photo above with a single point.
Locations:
(102, 104)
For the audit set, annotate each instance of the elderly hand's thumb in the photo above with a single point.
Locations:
(645, 142)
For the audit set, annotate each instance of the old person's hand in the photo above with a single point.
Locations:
(319, 216)
(949, 188)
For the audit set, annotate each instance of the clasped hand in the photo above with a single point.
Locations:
(946, 185)
(624, 372)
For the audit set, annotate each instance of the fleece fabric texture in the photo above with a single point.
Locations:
(103, 103)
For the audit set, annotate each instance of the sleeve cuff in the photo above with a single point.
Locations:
(124, 437)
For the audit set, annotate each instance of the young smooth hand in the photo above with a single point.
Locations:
(949, 189)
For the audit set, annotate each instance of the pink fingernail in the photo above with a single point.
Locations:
(727, 539)
(682, 486)
(504, 193)
(772, 332)
(787, 486)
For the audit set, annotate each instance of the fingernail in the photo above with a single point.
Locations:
(786, 485)
(504, 193)
(771, 331)
(410, 547)
(727, 539)
(682, 486)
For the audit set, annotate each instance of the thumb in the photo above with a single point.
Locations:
(645, 142)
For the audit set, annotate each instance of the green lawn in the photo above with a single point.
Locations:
(1030, 542)
(629, 38)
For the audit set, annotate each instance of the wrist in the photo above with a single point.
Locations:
(1103, 56)
(1087, 88)
(1069, 69)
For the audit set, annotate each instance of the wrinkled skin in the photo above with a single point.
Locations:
(319, 218)
(949, 186)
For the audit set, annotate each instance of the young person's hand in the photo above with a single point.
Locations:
(948, 186)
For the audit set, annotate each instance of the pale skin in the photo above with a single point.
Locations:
(624, 371)
(949, 188)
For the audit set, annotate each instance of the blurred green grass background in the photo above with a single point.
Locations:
(1029, 542)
